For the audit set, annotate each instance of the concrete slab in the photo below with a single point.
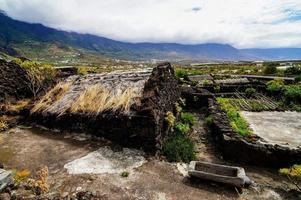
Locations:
(282, 128)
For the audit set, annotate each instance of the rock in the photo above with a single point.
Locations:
(1, 165)
(5, 178)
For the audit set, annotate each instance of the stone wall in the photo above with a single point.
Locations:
(12, 81)
(248, 149)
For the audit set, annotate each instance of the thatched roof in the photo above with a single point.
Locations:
(95, 94)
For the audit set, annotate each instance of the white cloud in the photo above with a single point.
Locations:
(242, 23)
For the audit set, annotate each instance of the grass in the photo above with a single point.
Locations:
(237, 122)
(97, 99)
(50, 97)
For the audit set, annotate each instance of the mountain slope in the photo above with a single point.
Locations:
(39, 42)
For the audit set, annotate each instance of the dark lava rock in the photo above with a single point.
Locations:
(13, 81)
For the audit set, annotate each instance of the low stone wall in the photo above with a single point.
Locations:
(248, 149)
(195, 97)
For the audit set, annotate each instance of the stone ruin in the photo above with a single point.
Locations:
(128, 107)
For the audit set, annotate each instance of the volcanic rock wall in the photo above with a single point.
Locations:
(12, 81)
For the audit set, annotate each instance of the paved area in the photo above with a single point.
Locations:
(282, 128)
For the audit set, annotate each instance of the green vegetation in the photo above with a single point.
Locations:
(275, 86)
(289, 95)
(250, 91)
(294, 175)
(292, 94)
(209, 120)
(124, 174)
(249, 104)
(298, 79)
(181, 73)
(217, 88)
(294, 70)
(238, 123)
(188, 118)
(270, 68)
(179, 148)
(182, 128)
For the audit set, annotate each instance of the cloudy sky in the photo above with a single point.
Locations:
(241, 23)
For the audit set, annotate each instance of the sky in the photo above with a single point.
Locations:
(241, 23)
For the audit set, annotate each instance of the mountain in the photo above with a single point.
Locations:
(37, 41)
(274, 53)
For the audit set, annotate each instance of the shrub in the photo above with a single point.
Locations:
(292, 94)
(39, 76)
(124, 174)
(217, 88)
(250, 91)
(209, 120)
(182, 128)
(270, 68)
(294, 70)
(275, 86)
(179, 148)
(188, 118)
(298, 79)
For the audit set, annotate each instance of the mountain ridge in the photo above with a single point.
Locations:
(22, 38)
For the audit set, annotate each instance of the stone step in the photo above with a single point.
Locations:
(6, 178)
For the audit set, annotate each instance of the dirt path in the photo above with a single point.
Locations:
(154, 180)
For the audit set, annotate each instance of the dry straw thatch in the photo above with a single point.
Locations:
(94, 94)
